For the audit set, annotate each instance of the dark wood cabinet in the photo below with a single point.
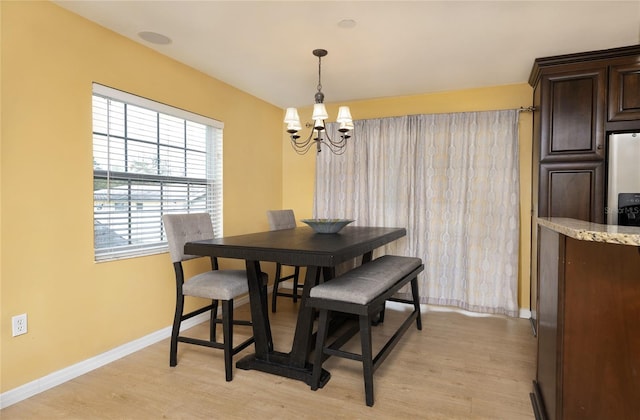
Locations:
(569, 139)
(578, 100)
(624, 91)
(589, 337)
(572, 189)
(572, 114)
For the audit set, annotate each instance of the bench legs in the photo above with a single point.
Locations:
(369, 362)
(416, 302)
(367, 358)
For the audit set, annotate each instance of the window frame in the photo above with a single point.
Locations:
(209, 186)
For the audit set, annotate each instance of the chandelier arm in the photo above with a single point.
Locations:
(302, 147)
(304, 150)
(336, 143)
(335, 148)
(302, 143)
(326, 134)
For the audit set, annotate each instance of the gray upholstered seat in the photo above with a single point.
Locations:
(362, 284)
(217, 285)
(278, 220)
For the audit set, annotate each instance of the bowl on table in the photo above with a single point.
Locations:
(327, 225)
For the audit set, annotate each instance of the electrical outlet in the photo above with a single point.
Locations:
(19, 324)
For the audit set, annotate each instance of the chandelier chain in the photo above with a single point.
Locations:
(319, 74)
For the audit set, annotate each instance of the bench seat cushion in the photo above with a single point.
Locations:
(364, 283)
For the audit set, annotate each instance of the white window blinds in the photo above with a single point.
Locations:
(149, 159)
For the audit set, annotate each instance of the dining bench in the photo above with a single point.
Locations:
(364, 292)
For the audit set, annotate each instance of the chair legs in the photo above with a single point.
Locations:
(212, 321)
(276, 283)
(274, 294)
(227, 333)
(175, 332)
(296, 285)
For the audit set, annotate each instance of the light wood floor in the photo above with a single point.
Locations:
(457, 367)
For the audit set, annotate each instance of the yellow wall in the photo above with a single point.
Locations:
(299, 171)
(2, 323)
(77, 308)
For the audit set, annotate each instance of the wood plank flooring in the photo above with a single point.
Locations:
(457, 367)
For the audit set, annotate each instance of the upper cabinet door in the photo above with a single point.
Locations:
(573, 115)
(624, 91)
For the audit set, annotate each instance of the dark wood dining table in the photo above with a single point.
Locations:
(301, 246)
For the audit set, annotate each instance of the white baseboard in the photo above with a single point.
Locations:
(524, 313)
(66, 374)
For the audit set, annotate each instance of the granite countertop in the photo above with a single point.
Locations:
(588, 231)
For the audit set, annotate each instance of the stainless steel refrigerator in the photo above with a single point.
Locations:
(623, 172)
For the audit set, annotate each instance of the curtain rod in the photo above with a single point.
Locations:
(527, 109)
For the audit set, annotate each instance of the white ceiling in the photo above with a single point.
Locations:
(396, 48)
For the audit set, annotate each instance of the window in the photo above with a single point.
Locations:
(149, 159)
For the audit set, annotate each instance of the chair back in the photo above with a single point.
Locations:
(281, 219)
(183, 228)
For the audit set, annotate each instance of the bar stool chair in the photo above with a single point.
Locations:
(217, 285)
(278, 220)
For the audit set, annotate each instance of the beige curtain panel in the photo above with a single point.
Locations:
(452, 181)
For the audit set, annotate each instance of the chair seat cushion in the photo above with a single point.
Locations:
(364, 283)
(217, 284)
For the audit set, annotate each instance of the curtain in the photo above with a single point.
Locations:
(452, 181)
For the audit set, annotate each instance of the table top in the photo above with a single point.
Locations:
(301, 246)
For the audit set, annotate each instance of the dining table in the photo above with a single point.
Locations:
(320, 253)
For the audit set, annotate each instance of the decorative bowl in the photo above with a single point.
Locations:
(327, 225)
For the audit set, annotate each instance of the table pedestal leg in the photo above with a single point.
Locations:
(292, 365)
(259, 311)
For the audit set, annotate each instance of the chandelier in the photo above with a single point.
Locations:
(318, 134)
